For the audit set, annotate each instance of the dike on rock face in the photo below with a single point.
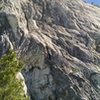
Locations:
(59, 42)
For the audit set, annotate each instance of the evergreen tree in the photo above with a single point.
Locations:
(10, 87)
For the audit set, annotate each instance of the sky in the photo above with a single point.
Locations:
(94, 1)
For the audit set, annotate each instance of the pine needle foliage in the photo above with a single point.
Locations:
(10, 87)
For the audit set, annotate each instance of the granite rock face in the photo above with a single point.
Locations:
(59, 42)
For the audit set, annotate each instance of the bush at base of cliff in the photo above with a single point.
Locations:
(10, 87)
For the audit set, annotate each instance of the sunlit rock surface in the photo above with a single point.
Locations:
(59, 42)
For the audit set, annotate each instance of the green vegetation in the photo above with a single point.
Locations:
(10, 87)
(75, 70)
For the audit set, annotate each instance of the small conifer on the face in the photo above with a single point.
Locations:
(10, 87)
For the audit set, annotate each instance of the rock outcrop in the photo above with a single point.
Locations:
(59, 42)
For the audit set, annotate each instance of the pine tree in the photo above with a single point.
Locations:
(10, 87)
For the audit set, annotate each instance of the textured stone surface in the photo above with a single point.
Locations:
(59, 42)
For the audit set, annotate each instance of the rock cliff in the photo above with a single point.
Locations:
(59, 42)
